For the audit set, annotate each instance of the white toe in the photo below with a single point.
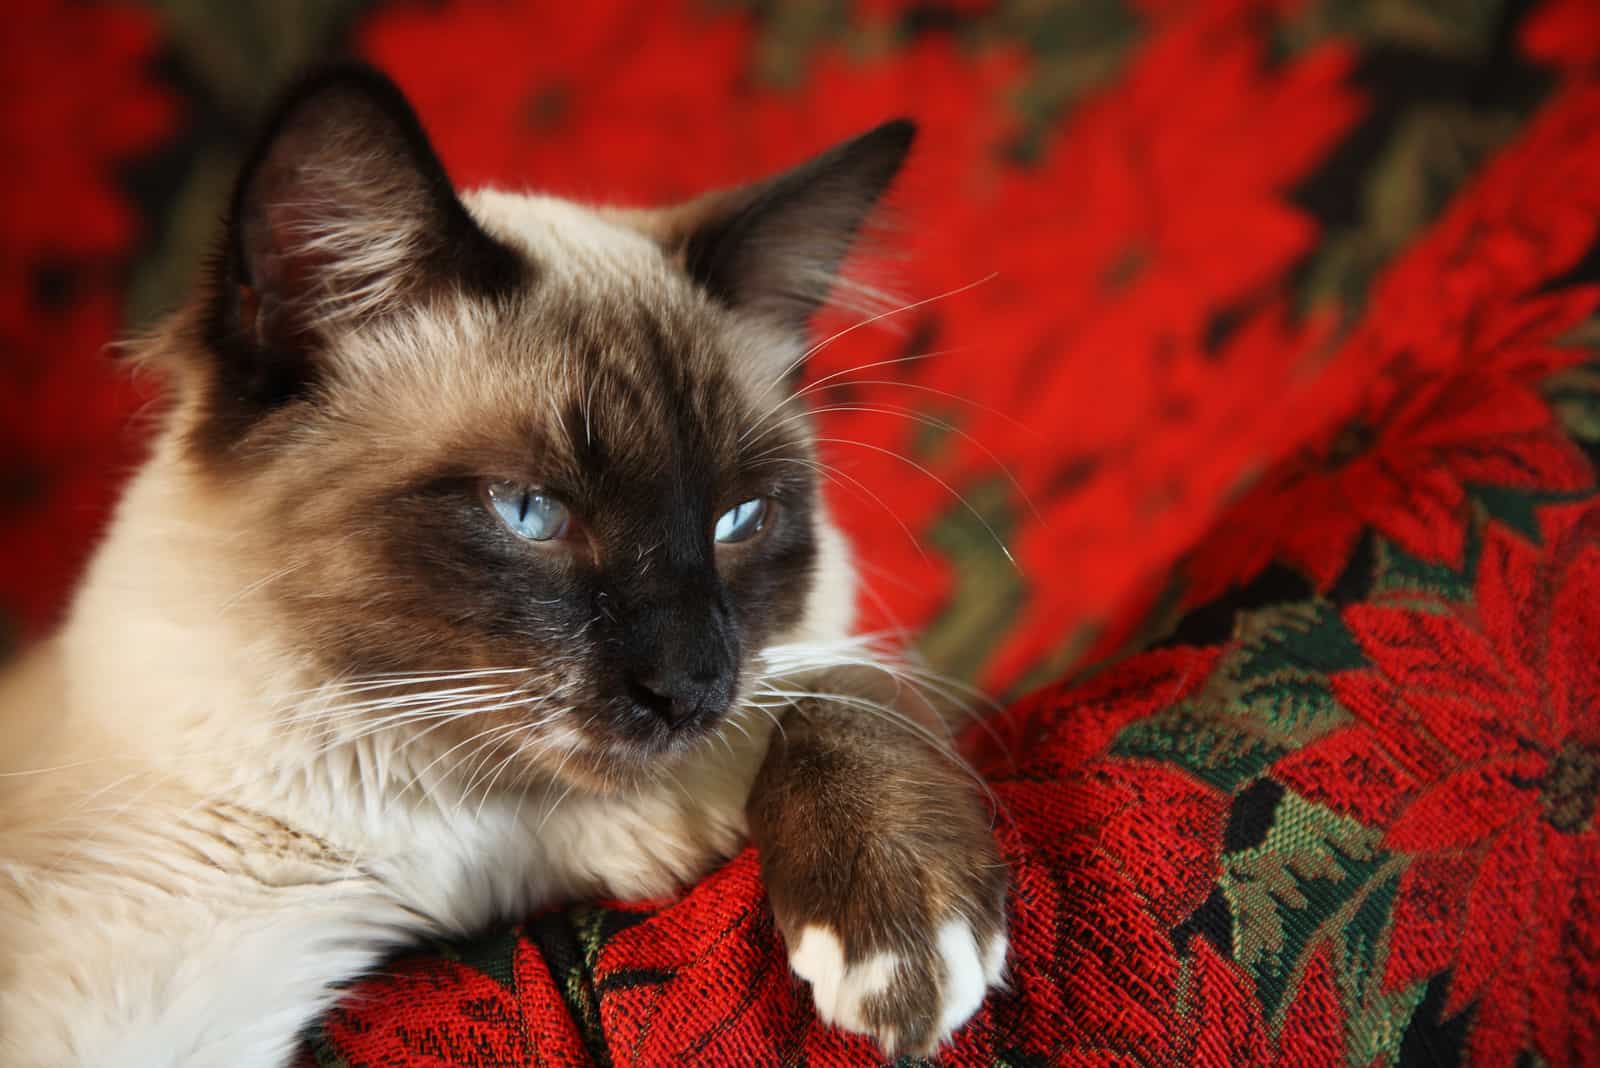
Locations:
(965, 977)
(994, 959)
(840, 991)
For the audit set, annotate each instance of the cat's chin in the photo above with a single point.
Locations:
(616, 765)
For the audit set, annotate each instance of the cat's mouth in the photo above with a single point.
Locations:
(646, 718)
(630, 736)
(602, 760)
(645, 728)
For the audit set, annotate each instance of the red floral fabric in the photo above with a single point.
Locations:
(1262, 336)
(1471, 733)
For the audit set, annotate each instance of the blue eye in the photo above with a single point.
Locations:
(743, 521)
(529, 513)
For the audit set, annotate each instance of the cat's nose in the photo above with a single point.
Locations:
(682, 698)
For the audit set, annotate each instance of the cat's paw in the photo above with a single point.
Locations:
(891, 901)
(910, 997)
(880, 861)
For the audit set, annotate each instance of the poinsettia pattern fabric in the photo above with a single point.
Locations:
(1262, 335)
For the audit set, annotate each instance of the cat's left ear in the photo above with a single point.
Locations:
(774, 248)
(342, 215)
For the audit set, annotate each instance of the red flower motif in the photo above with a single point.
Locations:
(1477, 743)
(1433, 390)
(1097, 889)
(1404, 472)
(78, 101)
(1224, 1024)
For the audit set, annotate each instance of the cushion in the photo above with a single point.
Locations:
(1240, 436)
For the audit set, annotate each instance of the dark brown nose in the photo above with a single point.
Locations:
(674, 649)
(683, 698)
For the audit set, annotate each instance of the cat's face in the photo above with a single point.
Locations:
(516, 437)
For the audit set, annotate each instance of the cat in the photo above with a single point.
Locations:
(479, 563)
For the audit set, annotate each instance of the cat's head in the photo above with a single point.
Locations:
(511, 435)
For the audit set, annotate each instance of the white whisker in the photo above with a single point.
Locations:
(937, 423)
(942, 483)
(880, 317)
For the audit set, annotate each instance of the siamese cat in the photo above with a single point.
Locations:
(479, 563)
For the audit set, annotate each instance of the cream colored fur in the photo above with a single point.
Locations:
(184, 878)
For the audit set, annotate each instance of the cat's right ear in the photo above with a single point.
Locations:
(342, 214)
(773, 249)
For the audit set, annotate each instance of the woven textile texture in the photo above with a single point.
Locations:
(1262, 333)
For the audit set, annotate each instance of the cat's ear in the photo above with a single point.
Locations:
(774, 247)
(341, 214)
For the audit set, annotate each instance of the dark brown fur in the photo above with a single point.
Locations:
(866, 828)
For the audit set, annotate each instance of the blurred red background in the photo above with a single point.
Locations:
(1105, 365)
(1261, 331)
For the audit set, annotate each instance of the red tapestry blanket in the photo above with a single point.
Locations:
(1261, 333)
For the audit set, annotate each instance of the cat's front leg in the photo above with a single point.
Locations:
(878, 856)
